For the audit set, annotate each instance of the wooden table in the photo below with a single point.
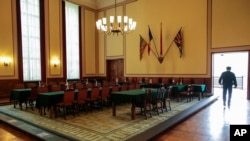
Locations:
(19, 96)
(127, 96)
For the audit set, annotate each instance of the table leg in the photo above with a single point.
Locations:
(133, 112)
(113, 109)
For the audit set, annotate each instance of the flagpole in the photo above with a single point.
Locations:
(155, 46)
(161, 40)
(168, 48)
(171, 44)
(152, 51)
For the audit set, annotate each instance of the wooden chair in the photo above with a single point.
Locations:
(115, 88)
(30, 85)
(188, 93)
(67, 105)
(167, 98)
(33, 96)
(78, 85)
(124, 87)
(137, 86)
(82, 101)
(105, 96)
(158, 101)
(145, 103)
(95, 98)
(131, 87)
(18, 86)
(54, 88)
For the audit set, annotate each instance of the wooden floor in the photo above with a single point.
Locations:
(210, 124)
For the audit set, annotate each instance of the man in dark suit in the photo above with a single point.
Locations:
(227, 79)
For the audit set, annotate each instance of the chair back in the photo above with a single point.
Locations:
(95, 93)
(190, 89)
(19, 86)
(69, 96)
(148, 97)
(169, 91)
(36, 90)
(115, 88)
(137, 86)
(105, 93)
(30, 85)
(131, 87)
(54, 88)
(82, 95)
(78, 85)
(124, 87)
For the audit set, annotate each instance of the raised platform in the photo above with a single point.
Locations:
(52, 133)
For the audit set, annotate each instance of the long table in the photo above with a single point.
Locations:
(49, 100)
(19, 96)
(200, 89)
(132, 96)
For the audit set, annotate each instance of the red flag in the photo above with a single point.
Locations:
(150, 38)
(178, 41)
(161, 41)
(143, 45)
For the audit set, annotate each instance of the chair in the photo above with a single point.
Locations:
(82, 101)
(167, 98)
(188, 93)
(131, 87)
(137, 86)
(145, 103)
(158, 101)
(54, 88)
(18, 86)
(124, 87)
(95, 98)
(67, 105)
(78, 85)
(33, 96)
(30, 85)
(115, 88)
(105, 96)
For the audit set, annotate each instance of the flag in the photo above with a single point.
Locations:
(143, 45)
(179, 42)
(161, 41)
(150, 38)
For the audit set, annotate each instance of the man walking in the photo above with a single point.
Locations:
(227, 79)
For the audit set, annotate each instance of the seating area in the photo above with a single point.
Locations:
(73, 98)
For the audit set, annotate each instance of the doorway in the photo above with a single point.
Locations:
(115, 69)
(239, 63)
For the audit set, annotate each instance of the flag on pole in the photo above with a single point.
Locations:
(179, 42)
(143, 45)
(161, 41)
(150, 38)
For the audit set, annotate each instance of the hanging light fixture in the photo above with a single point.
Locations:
(116, 24)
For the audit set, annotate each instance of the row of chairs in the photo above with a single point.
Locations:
(155, 102)
(99, 98)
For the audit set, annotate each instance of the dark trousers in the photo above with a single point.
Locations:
(225, 90)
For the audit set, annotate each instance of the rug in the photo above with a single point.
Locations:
(98, 125)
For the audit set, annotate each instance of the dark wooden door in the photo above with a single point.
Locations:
(115, 69)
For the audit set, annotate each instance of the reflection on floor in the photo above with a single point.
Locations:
(213, 122)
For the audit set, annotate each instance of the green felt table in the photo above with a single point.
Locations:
(19, 96)
(132, 96)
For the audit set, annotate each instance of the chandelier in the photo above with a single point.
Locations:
(116, 25)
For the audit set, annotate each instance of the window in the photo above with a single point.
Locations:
(72, 40)
(30, 24)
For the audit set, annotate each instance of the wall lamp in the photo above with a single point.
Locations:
(55, 62)
(6, 61)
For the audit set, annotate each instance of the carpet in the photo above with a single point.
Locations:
(98, 125)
